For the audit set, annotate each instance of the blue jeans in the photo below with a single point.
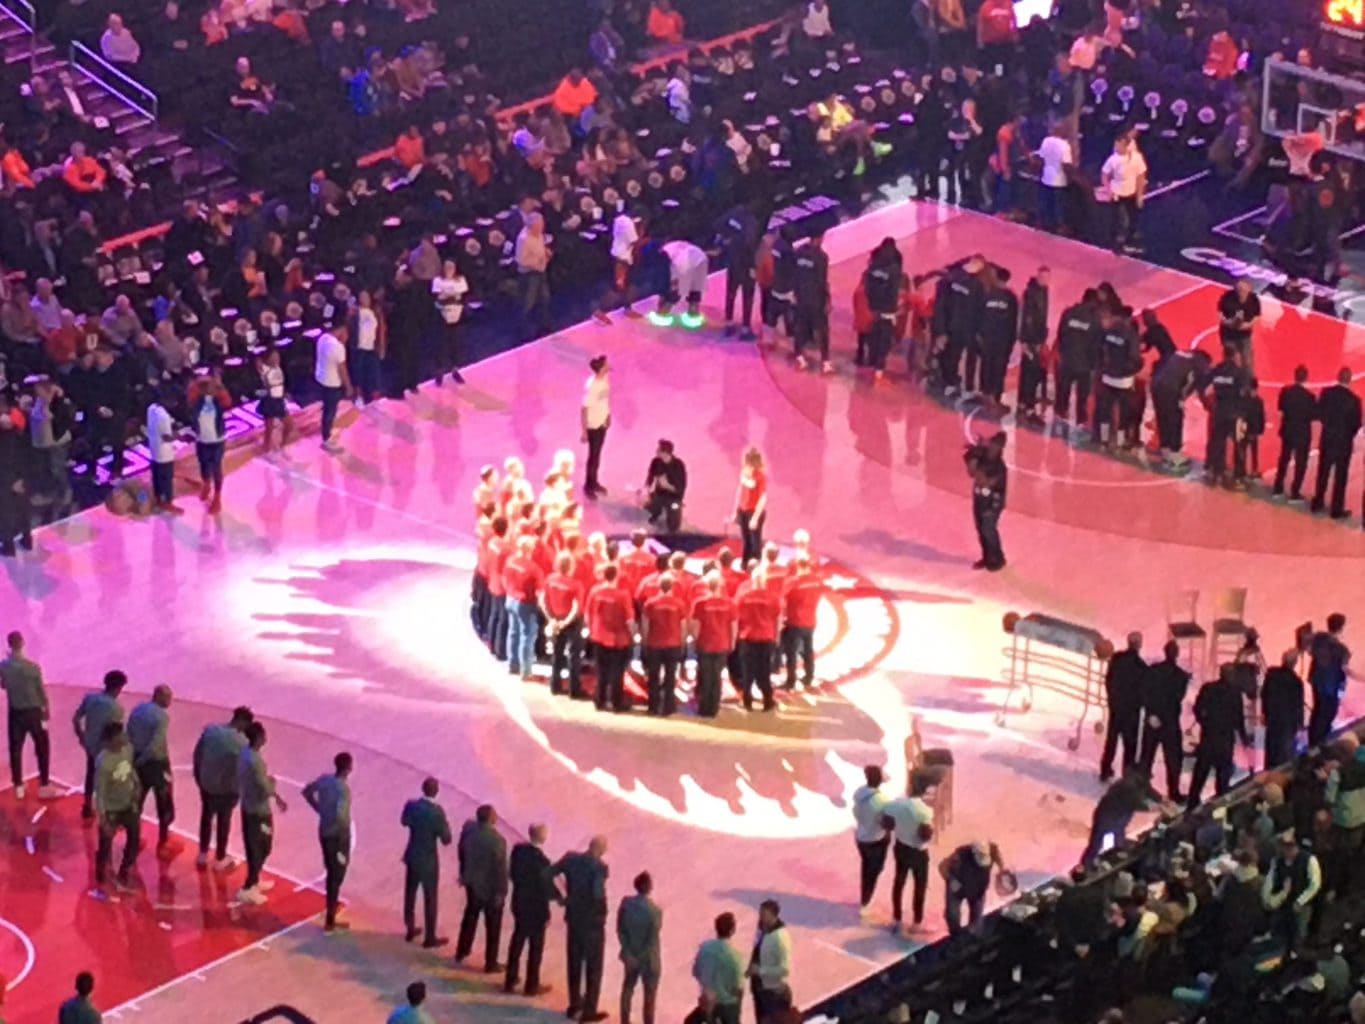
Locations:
(523, 623)
(331, 401)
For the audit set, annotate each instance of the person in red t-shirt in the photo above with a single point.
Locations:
(561, 602)
(751, 502)
(480, 600)
(649, 586)
(638, 562)
(997, 31)
(800, 599)
(758, 610)
(713, 633)
(499, 550)
(662, 622)
(611, 628)
(487, 489)
(684, 582)
(522, 578)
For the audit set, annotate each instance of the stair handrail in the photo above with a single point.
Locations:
(23, 14)
(129, 89)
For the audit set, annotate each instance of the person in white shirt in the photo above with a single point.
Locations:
(1057, 160)
(596, 418)
(448, 289)
(272, 407)
(625, 240)
(1124, 177)
(869, 832)
(912, 823)
(678, 94)
(771, 965)
(687, 270)
(161, 442)
(208, 404)
(816, 23)
(329, 371)
(117, 44)
(369, 347)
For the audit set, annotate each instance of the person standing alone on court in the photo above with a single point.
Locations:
(330, 797)
(751, 503)
(426, 823)
(22, 681)
(257, 788)
(585, 914)
(986, 466)
(596, 418)
(483, 873)
(638, 924)
(532, 893)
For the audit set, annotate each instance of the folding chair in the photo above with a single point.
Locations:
(1229, 624)
(1182, 626)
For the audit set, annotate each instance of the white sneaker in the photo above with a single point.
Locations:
(202, 861)
(331, 447)
(265, 885)
(49, 793)
(251, 896)
(20, 792)
(224, 864)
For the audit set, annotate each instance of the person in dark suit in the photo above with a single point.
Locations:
(638, 923)
(1123, 693)
(585, 913)
(532, 893)
(483, 873)
(1339, 412)
(1163, 695)
(1282, 706)
(1298, 409)
(1218, 709)
(426, 823)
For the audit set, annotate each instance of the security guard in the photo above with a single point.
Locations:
(1078, 342)
(1227, 382)
(986, 466)
(810, 314)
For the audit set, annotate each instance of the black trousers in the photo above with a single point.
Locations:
(1334, 466)
(910, 862)
(215, 819)
(88, 804)
(587, 942)
(871, 861)
(879, 341)
(971, 366)
(995, 359)
(667, 505)
(1222, 430)
(986, 517)
(1108, 401)
(1215, 761)
(1324, 713)
(336, 855)
(751, 535)
(1071, 381)
(478, 605)
(799, 642)
(1279, 741)
(810, 327)
(566, 658)
(490, 910)
(1295, 450)
(24, 723)
(709, 667)
(497, 625)
(661, 674)
(1170, 421)
(1031, 382)
(756, 671)
(739, 281)
(611, 677)
(155, 777)
(425, 880)
(1120, 726)
(258, 838)
(128, 822)
(529, 935)
(1167, 740)
(597, 436)
(950, 361)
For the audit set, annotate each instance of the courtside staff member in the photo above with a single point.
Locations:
(596, 419)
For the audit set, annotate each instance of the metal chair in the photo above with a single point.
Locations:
(1182, 626)
(1229, 624)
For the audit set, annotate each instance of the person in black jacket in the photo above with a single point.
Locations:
(881, 286)
(810, 314)
(16, 521)
(1114, 812)
(957, 319)
(1119, 363)
(1282, 705)
(1033, 336)
(1123, 685)
(1163, 695)
(1078, 343)
(1228, 383)
(532, 894)
(1175, 378)
(585, 914)
(483, 873)
(1219, 711)
(998, 332)
(738, 234)
(665, 485)
(1339, 413)
(1298, 409)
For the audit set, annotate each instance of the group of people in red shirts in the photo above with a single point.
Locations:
(542, 591)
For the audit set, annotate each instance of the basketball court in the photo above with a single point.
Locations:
(331, 596)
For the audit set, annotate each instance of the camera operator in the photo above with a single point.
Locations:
(986, 465)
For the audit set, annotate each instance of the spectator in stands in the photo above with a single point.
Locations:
(607, 47)
(409, 149)
(213, 27)
(120, 322)
(47, 308)
(15, 517)
(1291, 887)
(997, 32)
(50, 420)
(533, 260)
(15, 172)
(816, 23)
(678, 94)
(665, 25)
(412, 1012)
(70, 103)
(83, 173)
(252, 95)
(117, 43)
(19, 323)
(62, 345)
(574, 94)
